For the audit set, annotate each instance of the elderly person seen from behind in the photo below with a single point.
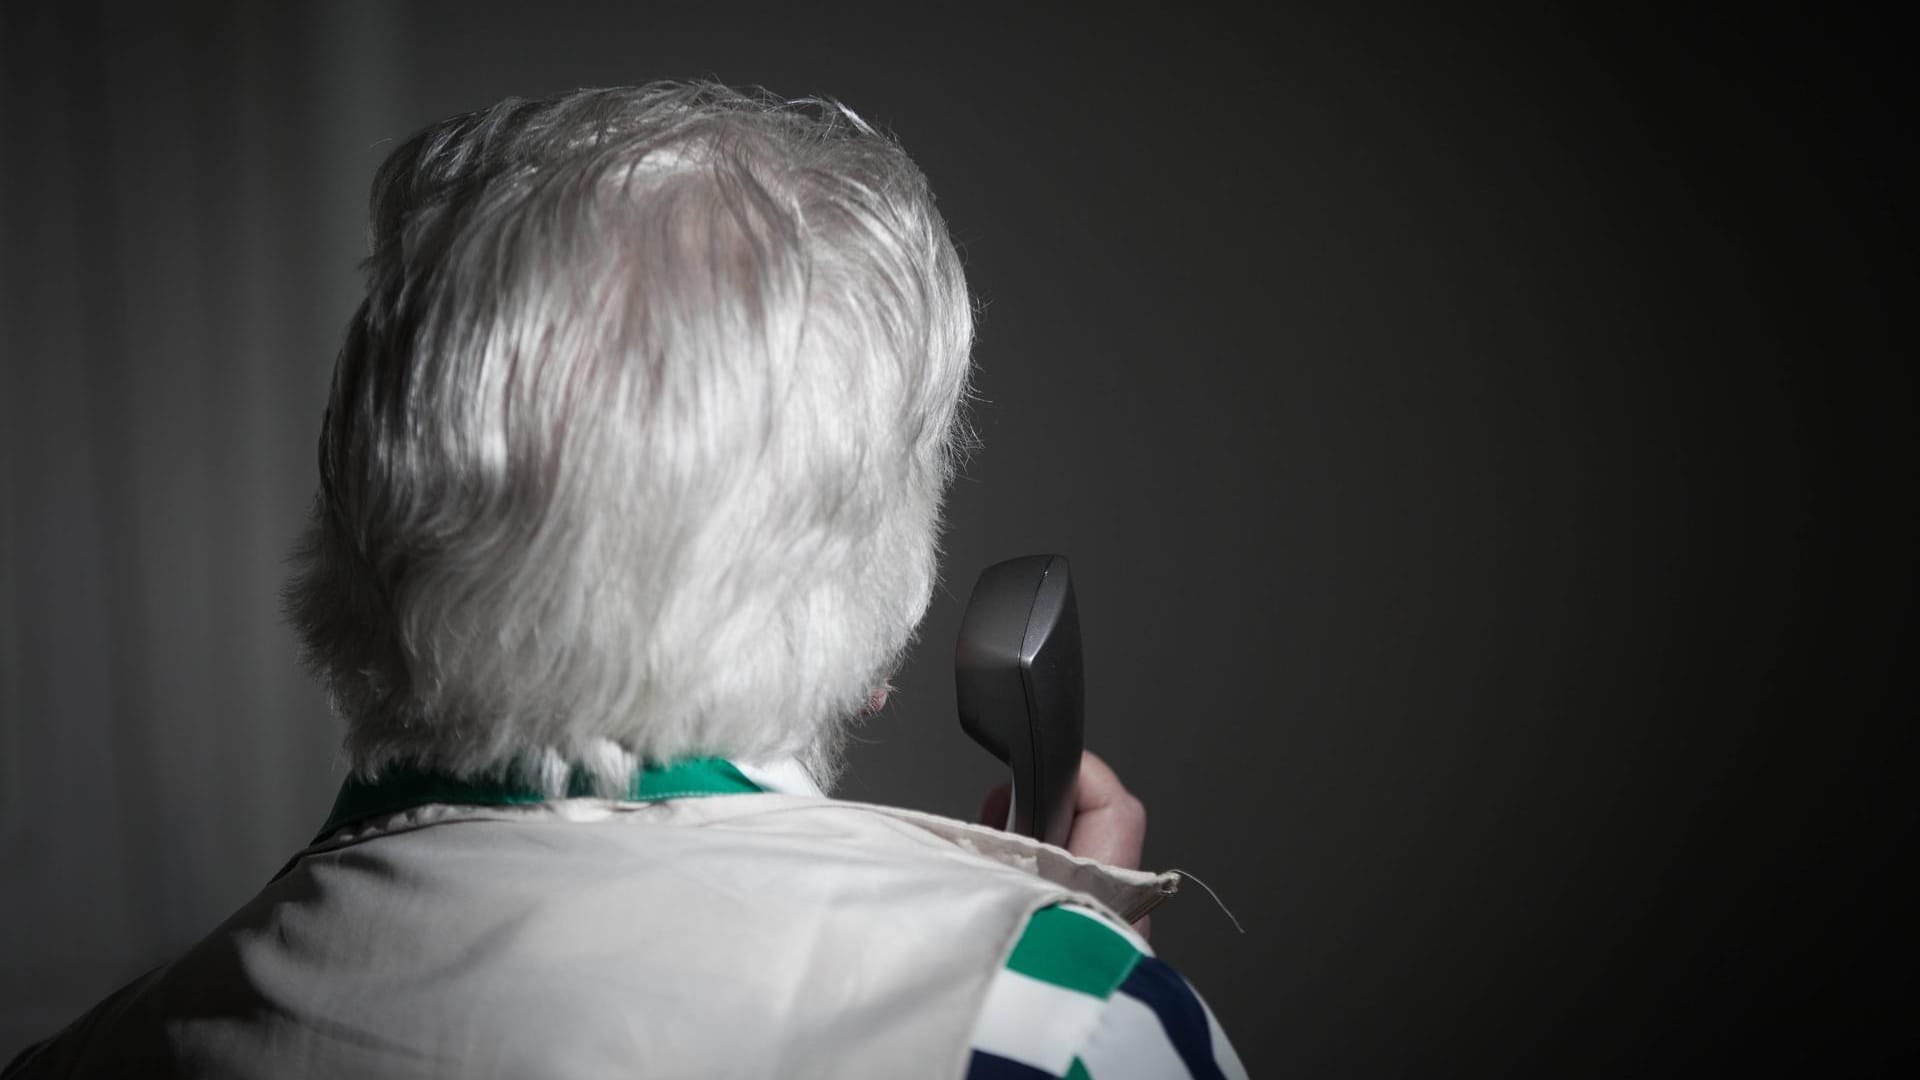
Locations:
(629, 497)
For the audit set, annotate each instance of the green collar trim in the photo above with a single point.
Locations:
(404, 789)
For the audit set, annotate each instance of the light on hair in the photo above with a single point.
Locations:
(636, 446)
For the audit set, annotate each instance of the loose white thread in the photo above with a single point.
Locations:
(1216, 897)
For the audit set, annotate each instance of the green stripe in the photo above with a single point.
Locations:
(1077, 1071)
(404, 789)
(698, 776)
(1074, 952)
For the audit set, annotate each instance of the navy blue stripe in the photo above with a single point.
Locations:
(1161, 989)
(985, 1066)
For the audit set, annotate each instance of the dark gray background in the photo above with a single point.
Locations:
(1479, 442)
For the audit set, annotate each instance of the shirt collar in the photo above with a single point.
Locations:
(403, 788)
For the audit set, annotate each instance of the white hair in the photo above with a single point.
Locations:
(636, 446)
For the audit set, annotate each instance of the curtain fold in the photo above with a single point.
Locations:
(182, 196)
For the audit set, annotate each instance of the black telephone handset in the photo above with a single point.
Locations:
(1018, 681)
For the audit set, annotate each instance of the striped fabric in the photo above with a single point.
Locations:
(1082, 998)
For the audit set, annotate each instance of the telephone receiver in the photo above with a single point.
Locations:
(1018, 682)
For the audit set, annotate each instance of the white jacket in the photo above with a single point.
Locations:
(754, 935)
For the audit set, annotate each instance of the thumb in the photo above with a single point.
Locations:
(994, 808)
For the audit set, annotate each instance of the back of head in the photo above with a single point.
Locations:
(636, 446)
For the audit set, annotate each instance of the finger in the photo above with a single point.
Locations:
(1109, 823)
(993, 810)
(1099, 785)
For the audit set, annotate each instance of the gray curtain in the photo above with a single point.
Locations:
(182, 205)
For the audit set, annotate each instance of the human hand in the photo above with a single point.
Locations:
(1109, 822)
